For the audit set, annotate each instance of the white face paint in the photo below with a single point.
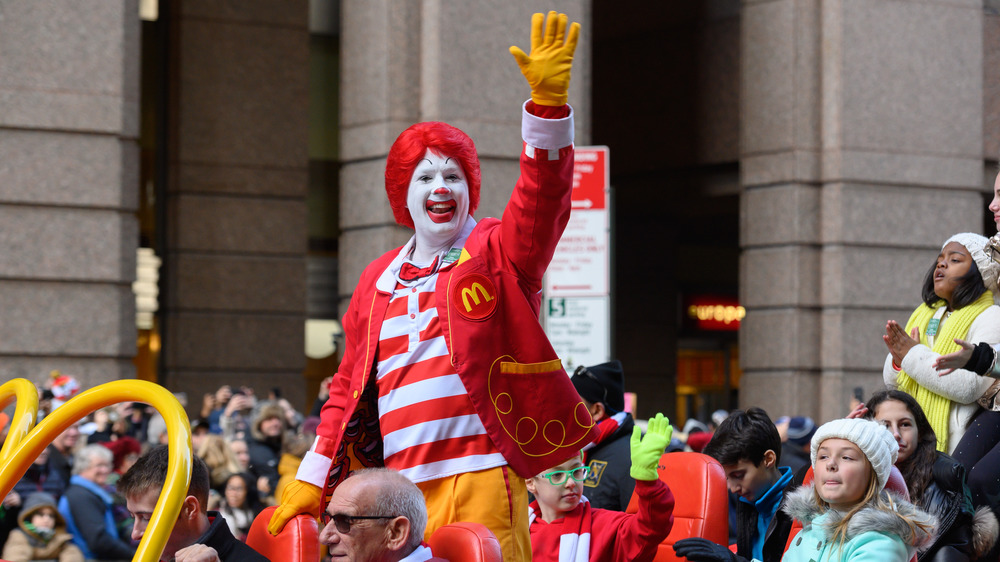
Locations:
(438, 201)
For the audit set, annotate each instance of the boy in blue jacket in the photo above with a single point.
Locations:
(748, 446)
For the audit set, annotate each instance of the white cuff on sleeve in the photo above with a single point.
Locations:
(548, 134)
(314, 469)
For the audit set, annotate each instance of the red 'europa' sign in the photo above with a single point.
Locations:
(710, 312)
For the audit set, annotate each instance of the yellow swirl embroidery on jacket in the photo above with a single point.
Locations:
(526, 429)
(368, 344)
(25, 441)
(462, 258)
(451, 327)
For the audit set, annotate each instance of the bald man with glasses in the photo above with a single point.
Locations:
(376, 515)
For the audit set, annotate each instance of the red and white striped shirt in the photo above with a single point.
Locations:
(430, 428)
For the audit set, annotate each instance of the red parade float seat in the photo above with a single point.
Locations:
(297, 542)
(701, 504)
(465, 542)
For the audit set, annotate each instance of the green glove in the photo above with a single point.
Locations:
(646, 451)
(547, 67)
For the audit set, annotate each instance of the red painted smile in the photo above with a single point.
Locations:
(441, 211)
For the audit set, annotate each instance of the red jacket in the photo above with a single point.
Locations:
(614, 536)
(488, 305)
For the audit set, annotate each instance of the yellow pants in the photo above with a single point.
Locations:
(495, 497)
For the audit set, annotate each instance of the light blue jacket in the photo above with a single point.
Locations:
(874, 534)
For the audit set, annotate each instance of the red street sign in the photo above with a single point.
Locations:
(590, 178)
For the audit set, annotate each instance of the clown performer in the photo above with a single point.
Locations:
(447, 375)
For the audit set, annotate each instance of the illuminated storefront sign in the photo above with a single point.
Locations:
(715, 313)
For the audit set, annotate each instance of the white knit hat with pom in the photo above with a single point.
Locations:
(874, 440)
(976, 245)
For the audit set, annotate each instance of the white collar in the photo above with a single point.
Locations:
(387, 280)
(422, 553)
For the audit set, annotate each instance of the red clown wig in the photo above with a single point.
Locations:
(410, 147)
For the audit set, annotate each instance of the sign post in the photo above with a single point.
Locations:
(577, 312)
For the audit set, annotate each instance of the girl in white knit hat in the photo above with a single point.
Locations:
(846, 513)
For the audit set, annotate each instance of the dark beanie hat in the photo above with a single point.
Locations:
(596, 382)
(801, 430)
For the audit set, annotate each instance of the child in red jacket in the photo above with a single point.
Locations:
(563, 526)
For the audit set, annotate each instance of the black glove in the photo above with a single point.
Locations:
(981, 360)
(703, 550)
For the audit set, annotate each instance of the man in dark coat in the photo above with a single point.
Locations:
(602, 388)
(197, 533)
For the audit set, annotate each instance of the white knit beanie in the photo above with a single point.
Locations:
(874, 440)
(976, 245)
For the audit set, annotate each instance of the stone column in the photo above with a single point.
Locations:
(68, 183)
(861, 153)
(237, 181)
(436, 60)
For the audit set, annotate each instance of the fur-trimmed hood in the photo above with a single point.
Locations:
(267, 411)
(985, 529)
(801, 504)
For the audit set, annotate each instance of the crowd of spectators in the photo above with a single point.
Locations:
(67, 506)
(248, 443)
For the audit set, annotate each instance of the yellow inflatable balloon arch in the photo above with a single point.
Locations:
(25, 441)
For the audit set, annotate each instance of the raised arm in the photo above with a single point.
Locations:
(639, 536)
(539, 208)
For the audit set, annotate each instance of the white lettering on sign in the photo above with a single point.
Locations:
(577, 281)
(578, 330)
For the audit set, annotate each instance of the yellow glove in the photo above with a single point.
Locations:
(646, 451)
(547, 67)
(298, 497)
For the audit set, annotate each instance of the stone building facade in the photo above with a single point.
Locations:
(806, 156)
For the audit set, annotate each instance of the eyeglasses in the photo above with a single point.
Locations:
(558, 477)
(344, 522)
(582, 370)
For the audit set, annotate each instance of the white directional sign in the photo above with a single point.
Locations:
(579, 267)
(577, 285)
(578, 329)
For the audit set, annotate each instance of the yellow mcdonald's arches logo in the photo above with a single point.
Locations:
(474, 291)
(475, 296)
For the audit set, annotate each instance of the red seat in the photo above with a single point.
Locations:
(465, 542)
(895, 483)
(701, 505)
(297, 542)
